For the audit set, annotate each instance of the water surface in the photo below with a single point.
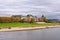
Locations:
(42, 34)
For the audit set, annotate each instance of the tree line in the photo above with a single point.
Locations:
(9, 19)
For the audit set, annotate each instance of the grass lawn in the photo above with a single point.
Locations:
(6, 25)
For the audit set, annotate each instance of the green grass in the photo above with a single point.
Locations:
(6, 25)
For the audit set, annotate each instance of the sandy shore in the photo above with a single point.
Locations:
(27, 28)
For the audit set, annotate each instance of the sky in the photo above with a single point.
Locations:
(49, 8)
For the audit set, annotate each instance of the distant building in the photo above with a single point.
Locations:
(31, 17)
(42, 18)
(34, 18)
(26, 18)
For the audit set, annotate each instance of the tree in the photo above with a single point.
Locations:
(47, 21)
(32, 20)
(9, 19)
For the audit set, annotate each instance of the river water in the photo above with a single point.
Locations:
(42, 34)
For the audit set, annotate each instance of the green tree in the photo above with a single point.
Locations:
(47, 21)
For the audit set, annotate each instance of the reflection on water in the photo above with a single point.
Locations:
(42, 34)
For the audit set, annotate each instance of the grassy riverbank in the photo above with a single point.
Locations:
(6, 25)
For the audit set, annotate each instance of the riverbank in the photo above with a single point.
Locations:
(26, 28)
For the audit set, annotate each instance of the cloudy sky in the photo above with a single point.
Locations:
(50, 8)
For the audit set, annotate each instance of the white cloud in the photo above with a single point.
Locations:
(36, 7)
(12, 0)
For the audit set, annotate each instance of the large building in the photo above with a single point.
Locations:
(31, 17)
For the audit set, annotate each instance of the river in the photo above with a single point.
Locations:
(41, 34)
